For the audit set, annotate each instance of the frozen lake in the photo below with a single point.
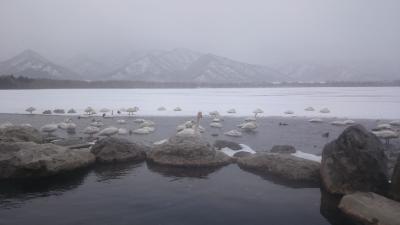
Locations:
(351, 102)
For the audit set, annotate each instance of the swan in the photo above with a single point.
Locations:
(177, 109)
(30, 109)
(386, 134)
(395, 123)
(191, 128)
(121, 121)
(162, 108)
(257, 111)
(49, 128)
(91, 130)
(250, 119)
(233, 133)
(147, 123)
(109, 131)
(315, 120)
(5, 125)
(187, 124)
(383, 126)
(349, 122)
(214, 113)
(97, 124)
(325, 110)
(309, 109)
(231, 111)
(216, 120)
(144, 130)
(122, 131)
(338, 123)
(139, 120)
(249, 126)
(216, 125)
(25, 125)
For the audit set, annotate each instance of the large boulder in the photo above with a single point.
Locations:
(284, 166)
(28, 159)
(187, 152)
(20, 133)
(371, 208)
(395, 185)
(220, 144)
(355, 161)
(112, 149)
(284, 149)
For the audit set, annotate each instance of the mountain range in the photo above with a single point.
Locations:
(183, 65)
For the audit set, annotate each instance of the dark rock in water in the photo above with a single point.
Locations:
(28, 159)
(371, 208)
(395, 185)
(20, 133)
(220, 144)
(285, 166)
(285, 149)
(355, 161)
(176, 171)
(330, 210)
(241, 154)
(187, 152)
(112, 149)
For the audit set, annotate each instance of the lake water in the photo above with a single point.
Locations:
(141, 194)
(351, 102)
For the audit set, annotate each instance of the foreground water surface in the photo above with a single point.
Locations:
(144, 194)
(352, 102)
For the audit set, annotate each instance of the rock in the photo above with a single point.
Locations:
(28, 159)
(355, 161)
(187, 152)
(395, 185)
(371, 208)
(117, 150)
(284, 149)
(241, 154)
(282, 165)
(20, 133)
(219, 144)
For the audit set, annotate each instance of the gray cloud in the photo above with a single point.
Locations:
(257, 31)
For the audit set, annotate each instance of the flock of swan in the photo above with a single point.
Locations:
(189, 128)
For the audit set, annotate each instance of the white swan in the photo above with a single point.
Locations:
(6, 124)
(383, 126)
(338, 123)
(316, 120)
(386, 135)
(121, 121)
(216, 125)
(147, 123)
(144, 130)
(249, 126)
(109, 131)
(139, 120)
(233, 133)
(91, 130)
(395, 123)
(49, 128)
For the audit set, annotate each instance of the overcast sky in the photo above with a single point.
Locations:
(255, 31)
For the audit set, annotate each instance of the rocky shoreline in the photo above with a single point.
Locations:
(353, 168)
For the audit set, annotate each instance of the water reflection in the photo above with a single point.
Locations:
(112, 171)
(169, 171)
(282, 181)
(16, 192)
(329, 209)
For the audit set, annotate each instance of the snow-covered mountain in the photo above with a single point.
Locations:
(354, 71)
(87, 67)
(31, 64)
(182, 65)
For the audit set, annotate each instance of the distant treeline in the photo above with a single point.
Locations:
(13, 82)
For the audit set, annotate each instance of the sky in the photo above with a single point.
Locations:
(253, 31)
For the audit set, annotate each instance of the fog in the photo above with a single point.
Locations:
(257, 31)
